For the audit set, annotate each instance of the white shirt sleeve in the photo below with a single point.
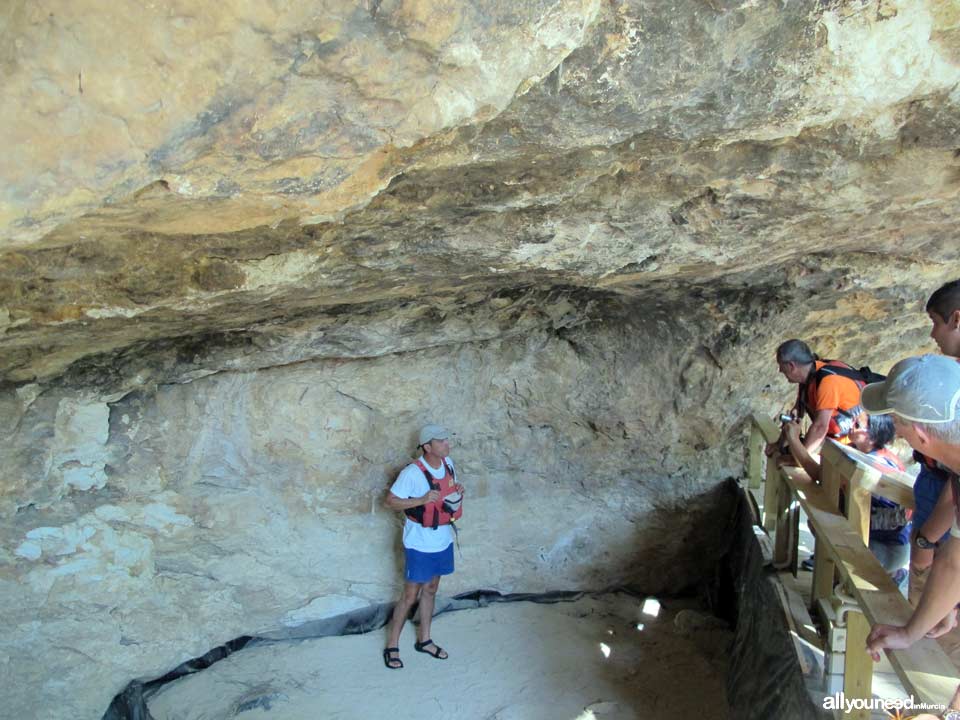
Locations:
(410, 483)
(955, 531)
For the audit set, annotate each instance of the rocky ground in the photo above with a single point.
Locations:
(597, 658)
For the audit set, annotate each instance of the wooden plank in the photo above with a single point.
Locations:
(858, 504)
(801, 656)
(824, 571)
(831, 480)
(799, 618)
(771, 491)
(894, 490)
(785, 538)
(884, 481)
(798, 481)
(824, 574)
(828, 500)
(924, 669)
(767, 427)
(755, 458)
(857, 664)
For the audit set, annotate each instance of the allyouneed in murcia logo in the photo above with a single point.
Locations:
(896, 708)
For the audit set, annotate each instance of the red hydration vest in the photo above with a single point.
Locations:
(434, 514)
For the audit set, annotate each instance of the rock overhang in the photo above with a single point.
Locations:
(397, 152)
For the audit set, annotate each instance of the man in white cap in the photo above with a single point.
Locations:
(923, 396)
(428, 493)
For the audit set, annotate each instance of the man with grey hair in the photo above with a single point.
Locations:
(428, 493)
(828, 392)
(923, 396)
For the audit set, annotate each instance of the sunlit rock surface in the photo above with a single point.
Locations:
(247, 249)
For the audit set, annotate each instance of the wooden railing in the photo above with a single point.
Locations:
(846, 574)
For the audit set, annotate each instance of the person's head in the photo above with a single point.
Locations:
(872, 432)
(943, 307)
(795, 360)
(922, 396)
(434, 441)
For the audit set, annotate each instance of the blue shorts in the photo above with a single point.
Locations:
(422, 567)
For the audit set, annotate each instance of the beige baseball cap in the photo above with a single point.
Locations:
(924, 389)
(433, 432)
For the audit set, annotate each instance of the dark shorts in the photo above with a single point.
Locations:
(422, 567)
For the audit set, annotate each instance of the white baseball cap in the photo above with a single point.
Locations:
(924, 389)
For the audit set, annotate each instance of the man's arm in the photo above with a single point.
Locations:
(800, 452)
(397, 503)
(818, 431)
(940, 596)
(941, 518)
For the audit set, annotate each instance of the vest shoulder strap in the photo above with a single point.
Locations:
(431, 480)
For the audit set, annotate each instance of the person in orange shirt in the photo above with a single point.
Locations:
(828, 392)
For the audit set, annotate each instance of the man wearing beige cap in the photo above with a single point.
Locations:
(923, 396)
(428, 493)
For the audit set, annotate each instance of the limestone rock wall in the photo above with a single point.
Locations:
(147, 524)
(147, 529)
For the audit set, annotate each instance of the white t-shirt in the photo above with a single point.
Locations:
(411, 483)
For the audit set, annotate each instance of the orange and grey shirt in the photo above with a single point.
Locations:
(828, 389)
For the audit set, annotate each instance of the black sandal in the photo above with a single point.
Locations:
(420, 647)
(388, 661)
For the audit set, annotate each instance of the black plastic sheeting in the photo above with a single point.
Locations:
(764, 680)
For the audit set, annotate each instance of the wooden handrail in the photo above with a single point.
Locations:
(767, 427)
(924, 669)
(881, 480)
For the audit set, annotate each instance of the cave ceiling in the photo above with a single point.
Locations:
(326, 176)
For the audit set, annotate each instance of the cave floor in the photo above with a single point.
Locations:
(595, 658)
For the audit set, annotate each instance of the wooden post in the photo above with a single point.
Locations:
(755, 458)
(831, 475)
(857, 664)
(824, 569)
(762, 431)
(858, 500)
(785, 537)
(824, 572)
(771, 494)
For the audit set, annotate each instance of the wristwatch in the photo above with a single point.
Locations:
(925, 544)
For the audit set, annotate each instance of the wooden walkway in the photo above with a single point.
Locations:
(846, 574)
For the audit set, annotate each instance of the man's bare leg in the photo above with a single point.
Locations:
(427, 602)
(400, 611)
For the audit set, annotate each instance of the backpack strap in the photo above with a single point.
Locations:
(431, 481)
(841, 370)
(434, 485)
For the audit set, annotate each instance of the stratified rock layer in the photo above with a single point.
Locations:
(247, 250)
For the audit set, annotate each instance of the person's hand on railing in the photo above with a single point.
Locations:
(772, 448)
(791, 431)
(887, 637)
